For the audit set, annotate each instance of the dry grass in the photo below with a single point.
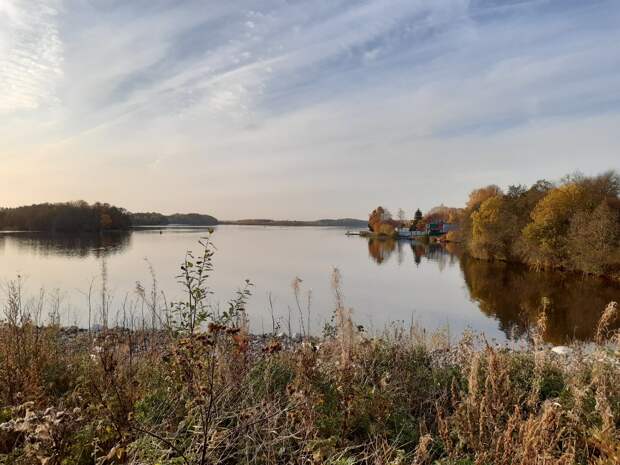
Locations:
(210, 398)
(608, 324)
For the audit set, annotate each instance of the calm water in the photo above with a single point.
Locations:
(382, 281)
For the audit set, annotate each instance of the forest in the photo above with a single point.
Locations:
(571, 225)
(76, 216)
(81, 216)
(159, 219)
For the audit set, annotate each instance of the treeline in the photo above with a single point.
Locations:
(76, 216)
(571, 225)
(80, 216)
(382, 223)
(341, 222)
(158, 219)
(148, 219)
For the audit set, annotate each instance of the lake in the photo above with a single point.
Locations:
(382, 281)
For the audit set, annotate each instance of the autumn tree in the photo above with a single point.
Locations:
(593, 241)
(375, 218)
(493, 229)
(477, 196)
(442, 214)
(565, 216)
(545, 236)
(386, 229)
(574, 225)
(378, 217)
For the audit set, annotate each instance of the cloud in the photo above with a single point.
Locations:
(272, 108)
(31, 55)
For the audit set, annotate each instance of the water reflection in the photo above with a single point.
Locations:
(513, 294)
(67, 245)
(380, 250)
(397, 278)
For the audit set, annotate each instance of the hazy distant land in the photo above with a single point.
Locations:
(351, 222)
(196, 219)
(79, 216)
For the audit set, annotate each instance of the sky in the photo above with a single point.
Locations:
(302, 109)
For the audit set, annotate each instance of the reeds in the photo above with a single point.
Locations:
(609, 322)
(218, 397)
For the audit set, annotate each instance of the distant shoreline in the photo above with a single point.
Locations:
(79, 216)
(344, 222)
(274, 223)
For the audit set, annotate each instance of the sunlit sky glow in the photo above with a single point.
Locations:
(301, 109)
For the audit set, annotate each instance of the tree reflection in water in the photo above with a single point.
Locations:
(69, 245)
(513, 294)
(381, 249)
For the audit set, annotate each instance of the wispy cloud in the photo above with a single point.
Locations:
(31, 54)
(305, 108)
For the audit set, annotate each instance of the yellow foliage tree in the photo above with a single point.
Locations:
(478, 196)
(594, 240)
(493, 230)
(545, 238)
(377, 217)
(386, 229)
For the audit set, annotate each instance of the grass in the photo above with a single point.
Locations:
(199, 389)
